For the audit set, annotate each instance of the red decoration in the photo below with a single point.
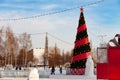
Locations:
(81, 8)
(80, 56)
(78, 71)
(81, 42)
(81, 28)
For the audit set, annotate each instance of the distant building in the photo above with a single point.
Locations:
(38, 54)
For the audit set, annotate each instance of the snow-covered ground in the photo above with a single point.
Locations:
(57, 76)
(63, 76)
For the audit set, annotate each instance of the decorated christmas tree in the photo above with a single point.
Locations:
(81, 48)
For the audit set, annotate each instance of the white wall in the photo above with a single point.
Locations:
(38, 52)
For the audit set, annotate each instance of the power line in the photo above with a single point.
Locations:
(53, 37)
(33, 34)
(51, 13)
(38, 33)
(59, 39)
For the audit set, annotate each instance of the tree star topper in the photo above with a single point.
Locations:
(81, 8)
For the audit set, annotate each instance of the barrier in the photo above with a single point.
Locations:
(21, 73)
(14, 73)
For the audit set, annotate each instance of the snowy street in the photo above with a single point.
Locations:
(57, 76)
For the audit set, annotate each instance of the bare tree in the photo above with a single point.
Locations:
(2, 49)
(35, 60)
(51, 56)
(55, 58)
(9, 45)
(16, 49)
(25, 43)
(68, 56)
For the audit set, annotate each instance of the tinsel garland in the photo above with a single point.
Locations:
(82, 49)
(81, 35)
(79, 64)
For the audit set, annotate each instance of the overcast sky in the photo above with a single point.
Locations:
(101, 19)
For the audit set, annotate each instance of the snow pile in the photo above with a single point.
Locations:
(89, 71)
(33, 74)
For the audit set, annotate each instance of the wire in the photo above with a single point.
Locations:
(48, 34)
(51, 13)
(38, 33)
(59, 39)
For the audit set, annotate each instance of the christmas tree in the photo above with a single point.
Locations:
(81, 48)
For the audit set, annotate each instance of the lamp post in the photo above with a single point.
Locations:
(102, 41)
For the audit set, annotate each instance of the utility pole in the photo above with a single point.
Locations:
(46, 51)
(55, 52)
